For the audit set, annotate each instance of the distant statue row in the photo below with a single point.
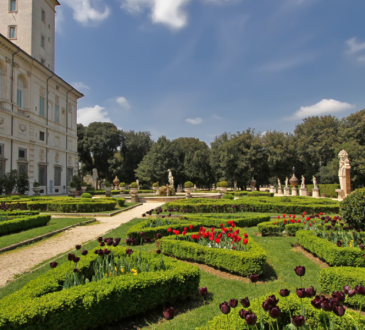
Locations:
(314, 180)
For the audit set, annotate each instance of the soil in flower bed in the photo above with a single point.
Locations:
(310, 256)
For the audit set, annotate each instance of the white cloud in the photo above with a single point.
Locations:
(354, 46)
(122, 101)
(361, 59)
(167, 12)
(88, 115)
(80, 85)
(324, 107)
(194, 121)
(84, 12)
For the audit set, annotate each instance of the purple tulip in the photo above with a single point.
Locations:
(339, 310)
(233, 303)
(327, 305)
(360, 290)
(53, 264)
(316, 302)
(84, 252)
(254, 278)
(301, 293)
(78, 247)
(284, 292)
(142, 233)
(242, 313)
(245, 302)
(100, 239)
(109, 242)
(102, 244)
(169, 313)
(76, 260)
(300, 270)
(275, 312)
(272, 301)
(338, 297)
(338, 243)
(129, 251)
(158, 251)
(225, 308)
(266, 306)
(250, 318)
(361, 246)
(158, 236)
(310, 293)
(76, 270)
(70, 257)
(203, 291)
(298, 321)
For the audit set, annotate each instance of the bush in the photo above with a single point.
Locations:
(253, 193)
(107, 184)
(20, 224)
(73, 184)
(313, 316)
(272, 229)
(155, 184)
(218, 184)
(122, 184)
(120, 201)
(115, 192)
(75, 206)
(335, 278)
(329, 252)
(328, 189)
(133, 185)
(285, 199)
(239, 262)
(224, 184)
(78, 181)
(41, 305)
(15, 197)
(145, 187)
(83, 184)
(353, 208)
(86, 195)
(22, 183)
(228, 196)
(188, 184)
(35, 184)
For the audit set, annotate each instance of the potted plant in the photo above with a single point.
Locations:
(133, 188)
(188, 187)
(36, 188)
(155, 186)
(72, 188)
(224, 186)
(83, 186)
(122, 186)
(219, 186)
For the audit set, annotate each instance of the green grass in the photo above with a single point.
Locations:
(54, 224)
(279, 274)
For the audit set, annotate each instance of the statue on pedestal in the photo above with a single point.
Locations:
(314, 180)
(171, 179)
(286, 182)
(279, 183)
(303, 182)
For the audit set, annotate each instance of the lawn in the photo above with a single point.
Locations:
(279, 274)
(54, 224)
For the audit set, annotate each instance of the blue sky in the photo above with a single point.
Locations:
(197, 68)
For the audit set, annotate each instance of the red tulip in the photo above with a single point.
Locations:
(245, 241)
(169, 230)
(217, 240)
(191, 227)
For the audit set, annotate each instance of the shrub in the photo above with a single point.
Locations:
(272, 229)
(328, 189)
(115, 192)
(218, 184)
(86, 195)
(228, 196)
(329, 252)
(8, 181)
(155, 184)
(253, 193)
(133, 185)
(78, 181)
(335, 278)
(75, 206)
(353, 208)
(41, 305)
(285, 199)
(121, 201)
(73, 184)
(83, 184)
(145, 187)
(22, 183)
(239, 262)
(122, 184)
(20, 224)
(107, 184)
(224, 184)
(35, 184)
(188, 184)
(15, 197)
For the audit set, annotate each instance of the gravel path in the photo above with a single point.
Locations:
(22, 260)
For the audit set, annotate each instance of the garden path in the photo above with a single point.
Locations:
(24, 259)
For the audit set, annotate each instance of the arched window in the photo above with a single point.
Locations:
(20, 92)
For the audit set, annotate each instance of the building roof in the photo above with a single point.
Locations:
(6, 40)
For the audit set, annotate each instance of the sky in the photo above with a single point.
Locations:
(198, 68)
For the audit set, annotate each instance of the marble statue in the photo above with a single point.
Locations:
(137, 181)
(303, 182)
(286, 182)
(279, 183)
(344, 168)
(314, 180)
(171, 179)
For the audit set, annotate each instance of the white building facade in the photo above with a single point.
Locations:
(38, 109)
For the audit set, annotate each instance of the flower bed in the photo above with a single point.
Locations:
(41, 305)
(330, 252)
(78, 205)
(335, 278)
(276, 228)
(251, 261)
(16, 225)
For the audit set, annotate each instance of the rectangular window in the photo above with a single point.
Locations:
(22, 153)
(42, 175)
(57, 176)
(57, 114)
(41, 106)
(12, 5)
(12, 32)
(2, 167)
(1, 150)
(70, 173)
(43, 16)
(19, 98)
(42, 41)
(41, 136)
(22, 167)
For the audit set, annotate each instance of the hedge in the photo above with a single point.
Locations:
(117, 192)
(329, 252)
(240, 221)
(270, 229)
(239, 262)
(250, 206)
(79, 205)
(313, 316)
(40, 305)
(18, 213)
(253, 193)
(120, 201)
(335, 278)
(328, 189)
(16, 225)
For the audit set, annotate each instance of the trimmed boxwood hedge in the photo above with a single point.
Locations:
(328, 189)
(329, 252)
(239, 262)
(78, 205)
(40, 305)
(120, 201)
(240, 221)
(16, 225)
(18, 213)
(313, 316)
(253, 193)
(270, 229)
(335, 278)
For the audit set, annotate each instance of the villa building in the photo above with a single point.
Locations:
(38, 109)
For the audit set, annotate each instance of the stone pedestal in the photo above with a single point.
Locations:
(134, 198)
(341, 194)
(303, 192)
(294, 191)
(273, 189)
(280, 191)
(286, 191)
(315, 192)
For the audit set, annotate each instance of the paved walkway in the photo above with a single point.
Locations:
(20, 261)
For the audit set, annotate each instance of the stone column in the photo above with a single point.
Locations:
(294, 191)
(280, 191)
(273, 189)
(315, 192)
(303, 192)
(286, 191)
